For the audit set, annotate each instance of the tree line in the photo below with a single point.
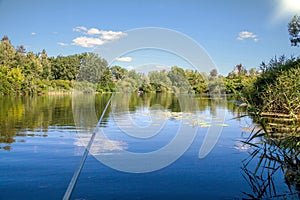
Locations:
(23, 73)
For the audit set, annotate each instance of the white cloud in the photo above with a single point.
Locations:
(93, 31)
(33, 33)
(247, 35)
(79, 29)
(63, 44)
(112, 35)
(124, 59)
(100, 36)
(88, 41)
(106, 35)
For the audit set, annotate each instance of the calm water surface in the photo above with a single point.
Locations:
(41, 147)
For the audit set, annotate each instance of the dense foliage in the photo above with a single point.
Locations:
(277, 89)
(24, 73)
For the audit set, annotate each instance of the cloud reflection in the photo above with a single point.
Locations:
(101, 145)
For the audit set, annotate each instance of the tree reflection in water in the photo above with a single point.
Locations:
(22, 117)
(275, 154)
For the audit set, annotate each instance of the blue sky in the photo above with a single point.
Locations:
(231, 31)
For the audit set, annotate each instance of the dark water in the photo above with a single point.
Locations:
(42, 140)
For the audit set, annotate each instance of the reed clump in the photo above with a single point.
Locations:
(277, 90)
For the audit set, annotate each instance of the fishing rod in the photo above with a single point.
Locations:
(74, 179)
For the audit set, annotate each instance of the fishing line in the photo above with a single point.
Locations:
(74, 179)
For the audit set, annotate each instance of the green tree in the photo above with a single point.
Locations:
(197, 81)
(178, 79)
(16, 79)
(46, 65)
(160, 81)
(21, 50)
(145, 83)
(106, 82)
(294, 30)
(7, 53)
(5, 86)
(213, 73)
(91, 68)
(20, 56)
(216, 87)
(241, 70)
(32, 66)
(65, 67)
(11, 80)
(136, 77)
(118, 72)
(236, 80)
(253, 72)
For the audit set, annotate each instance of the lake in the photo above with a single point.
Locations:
(154, 146)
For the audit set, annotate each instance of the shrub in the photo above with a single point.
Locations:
(277, 89)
